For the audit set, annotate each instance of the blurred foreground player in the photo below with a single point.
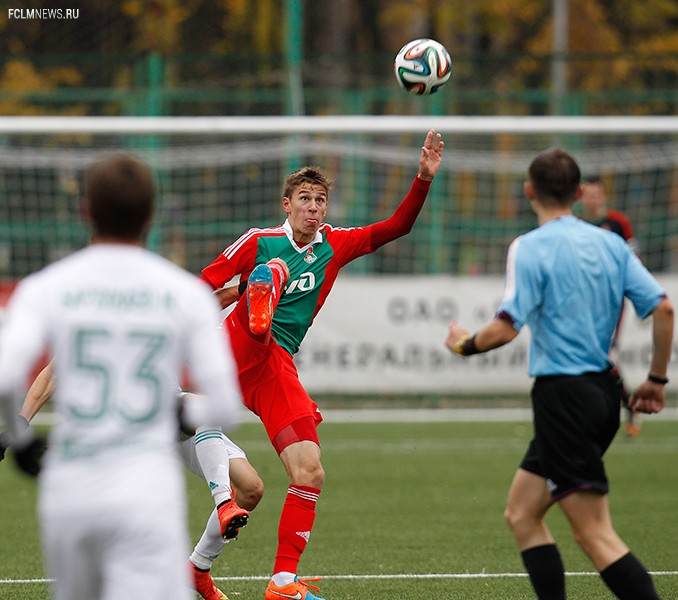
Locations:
(210, 455)
(121, 324)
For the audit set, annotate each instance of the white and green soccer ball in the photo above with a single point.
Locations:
(422, 66)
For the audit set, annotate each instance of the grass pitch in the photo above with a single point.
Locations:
(409, 512)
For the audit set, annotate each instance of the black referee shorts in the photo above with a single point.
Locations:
(575, 420)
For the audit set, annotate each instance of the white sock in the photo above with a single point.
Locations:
(210, 544)
(212, 454)
(283, 578)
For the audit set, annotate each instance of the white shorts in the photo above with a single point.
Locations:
(108, 535)
(190, 458)
(114, 555)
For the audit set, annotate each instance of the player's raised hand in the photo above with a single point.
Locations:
(431, 155)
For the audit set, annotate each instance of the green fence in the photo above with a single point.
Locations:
(151, 84)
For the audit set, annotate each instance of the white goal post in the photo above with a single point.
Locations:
(338, 124)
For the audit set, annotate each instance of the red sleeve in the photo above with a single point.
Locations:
(401, 221)
(237, 259)
(624, 223)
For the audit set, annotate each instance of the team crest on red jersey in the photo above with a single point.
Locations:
(310, 257)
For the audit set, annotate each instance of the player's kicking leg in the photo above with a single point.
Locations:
(264, 287)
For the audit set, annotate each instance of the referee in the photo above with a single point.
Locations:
(567, 280)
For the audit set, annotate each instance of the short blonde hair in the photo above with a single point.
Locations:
(309, 174)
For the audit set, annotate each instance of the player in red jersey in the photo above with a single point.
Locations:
(287, 272)
(596, 211)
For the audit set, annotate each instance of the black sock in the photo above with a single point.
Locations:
(629, 580)
(546, 571)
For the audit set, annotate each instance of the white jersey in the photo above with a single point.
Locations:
(122, 323)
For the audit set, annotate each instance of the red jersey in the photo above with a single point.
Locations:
(313, 267)
(618, 222)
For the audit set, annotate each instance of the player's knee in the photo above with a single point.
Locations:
(251, 495)
(319, 476)
(311, 475)
(516, 518)
(509, 517)
(316, 476)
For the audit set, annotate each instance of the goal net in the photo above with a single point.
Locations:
(219, 176)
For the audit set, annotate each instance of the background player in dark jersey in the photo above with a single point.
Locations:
(595, 210)
(567, 281)
(289, 271)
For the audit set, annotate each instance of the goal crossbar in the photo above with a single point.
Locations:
(337, 124)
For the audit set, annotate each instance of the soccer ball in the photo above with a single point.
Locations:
(422, 67)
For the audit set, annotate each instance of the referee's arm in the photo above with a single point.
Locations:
(649, 396)
(496, 333)
(662, 338)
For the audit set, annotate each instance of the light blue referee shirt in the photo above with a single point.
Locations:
(567, 280)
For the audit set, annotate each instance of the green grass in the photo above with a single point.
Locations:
(404, 499)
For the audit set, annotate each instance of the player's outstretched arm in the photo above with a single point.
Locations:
(402, 220)
(431, 155)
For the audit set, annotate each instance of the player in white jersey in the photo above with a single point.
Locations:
(121, 324)
(210, 455)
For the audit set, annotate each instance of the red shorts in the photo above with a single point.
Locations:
(271, 388)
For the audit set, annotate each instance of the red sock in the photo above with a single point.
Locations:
(294, 529)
